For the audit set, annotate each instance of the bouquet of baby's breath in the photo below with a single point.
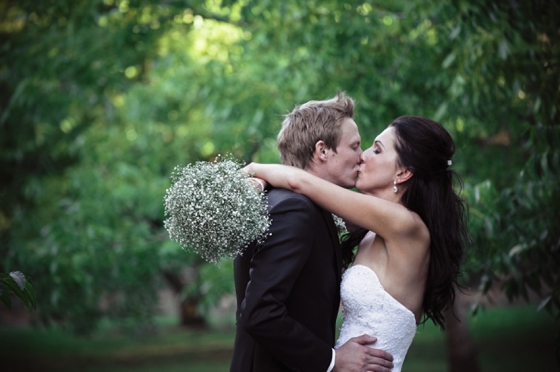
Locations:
(213, 209)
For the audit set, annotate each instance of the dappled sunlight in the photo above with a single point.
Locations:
(206, 40)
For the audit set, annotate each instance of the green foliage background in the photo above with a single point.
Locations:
(101, 99)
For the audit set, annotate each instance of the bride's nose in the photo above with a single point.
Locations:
(364, 156)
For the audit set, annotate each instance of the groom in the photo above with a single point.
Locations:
(288, 286)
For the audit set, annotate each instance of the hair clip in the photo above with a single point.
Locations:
(449, 162)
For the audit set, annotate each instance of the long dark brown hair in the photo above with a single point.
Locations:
(425, 148)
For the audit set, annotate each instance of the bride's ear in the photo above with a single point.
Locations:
(403, 175)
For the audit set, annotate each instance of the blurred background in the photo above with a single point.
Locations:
(101, 99)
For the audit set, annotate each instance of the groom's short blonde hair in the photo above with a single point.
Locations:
(312, 122)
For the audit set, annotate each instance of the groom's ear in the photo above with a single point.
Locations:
(321, 151)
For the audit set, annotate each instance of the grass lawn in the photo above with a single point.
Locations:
(508, 339)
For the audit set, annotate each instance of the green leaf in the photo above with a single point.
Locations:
(455, 32)
(503, 50)
(19, 278)
(30, 293)
(519, 248)
(12, 286)
(442, 109)
(544, 302)
(448, 60)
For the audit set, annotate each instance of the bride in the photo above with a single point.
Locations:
(412, 231)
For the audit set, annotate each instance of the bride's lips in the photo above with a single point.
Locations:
(360, 171)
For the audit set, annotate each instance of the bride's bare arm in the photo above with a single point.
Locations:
(375, 214)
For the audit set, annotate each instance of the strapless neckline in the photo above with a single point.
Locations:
(374, 275)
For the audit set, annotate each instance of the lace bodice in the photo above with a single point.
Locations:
(368, 309)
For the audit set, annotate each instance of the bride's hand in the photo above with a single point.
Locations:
(249, 169)
(258, 183)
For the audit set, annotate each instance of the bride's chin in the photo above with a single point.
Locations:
(362, 187)
(357, 185)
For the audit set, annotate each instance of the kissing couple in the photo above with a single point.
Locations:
(407, 221)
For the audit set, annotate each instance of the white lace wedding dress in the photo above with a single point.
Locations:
(368, 309)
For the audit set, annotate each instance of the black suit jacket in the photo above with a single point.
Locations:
(288, 290)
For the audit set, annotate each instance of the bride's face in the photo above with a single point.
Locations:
(379, 164)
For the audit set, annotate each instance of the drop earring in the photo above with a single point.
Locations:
(395, 188)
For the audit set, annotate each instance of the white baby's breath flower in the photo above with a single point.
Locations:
(339, 223)
(213, 210)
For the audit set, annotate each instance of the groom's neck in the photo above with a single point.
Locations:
(318, 172)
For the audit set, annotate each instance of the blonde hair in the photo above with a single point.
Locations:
(312, 122)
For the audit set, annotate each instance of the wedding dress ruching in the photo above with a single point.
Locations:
(368, 309)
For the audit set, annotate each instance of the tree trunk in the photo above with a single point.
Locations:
(188, 307)
(461, 351)
(189, 314)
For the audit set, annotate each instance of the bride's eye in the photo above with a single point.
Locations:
(376, 150)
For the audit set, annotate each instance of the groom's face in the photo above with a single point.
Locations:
(342, 166)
